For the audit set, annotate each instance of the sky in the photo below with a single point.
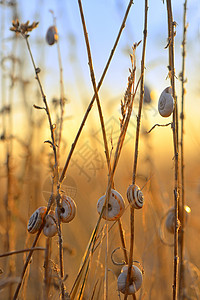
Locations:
(103, 20)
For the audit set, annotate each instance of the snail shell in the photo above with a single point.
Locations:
(36, 219)
(68, 209)
(135, 196)
(116, 206)
(166, 103)
(50, 228)
(52, 35)
(170, 220)
(136, 280)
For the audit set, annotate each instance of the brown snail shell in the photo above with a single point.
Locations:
(166, 103)
(170, 219)
(136, 280)
(36, 219)
(135, 196)
(50, 228)
(68, 209)
(116, 206)
(52, 35)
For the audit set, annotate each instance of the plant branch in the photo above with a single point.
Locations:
(93, 98)
(171, 27)
(136, 150)
(182, 212)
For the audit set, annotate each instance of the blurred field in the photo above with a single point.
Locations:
(26, 164)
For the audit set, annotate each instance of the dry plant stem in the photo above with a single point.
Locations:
(159, 125)
(94, 82)
(26, 263)
(182, 215)
(116, 158)
(136, 149)
(123, 240)
(93, 98)
(46, 108)
(47, 269)
(171, 26)
(55, 175)
(21, 251)
(62, 92)
(102, 128)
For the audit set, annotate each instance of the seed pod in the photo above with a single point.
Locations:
(52, 35)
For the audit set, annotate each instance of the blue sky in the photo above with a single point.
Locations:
(103, 19)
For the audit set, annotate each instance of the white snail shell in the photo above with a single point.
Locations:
(50, 228)
(166, 103)
(52, 35)
(135, 196)
(36, 219)
(116, 206)
(136, 280)
(68, 209)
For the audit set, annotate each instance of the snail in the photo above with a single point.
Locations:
(116, 206)
(67, 210)
(50, 228)
(170, 219)
(136, 280)
(135, 196)
(52, 35)
(166, 103)
(36, 219)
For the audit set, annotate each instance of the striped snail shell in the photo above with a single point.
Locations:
(136, 280)
(50, 228)
(170, 219)
(116, 206)
(135, 196)
(67, 210)
(166, 103)
(52, 35)
(36, 219)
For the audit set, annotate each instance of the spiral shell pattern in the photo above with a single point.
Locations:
(68, 209)
(135, 196)
(36, 219)
(52, 35)
(166, 103)
(50, 228)
(136, 280)
(116, 206)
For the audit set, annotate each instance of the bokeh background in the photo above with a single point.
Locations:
(26, 179)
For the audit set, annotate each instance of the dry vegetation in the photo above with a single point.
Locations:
(47, 155)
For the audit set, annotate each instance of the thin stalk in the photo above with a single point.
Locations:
(47, 269)
(136, 149)
(113, 169)
(94, 81)
(182, 215)
(171, 27)
(93, 98)
(21, 251)
(26, 264)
